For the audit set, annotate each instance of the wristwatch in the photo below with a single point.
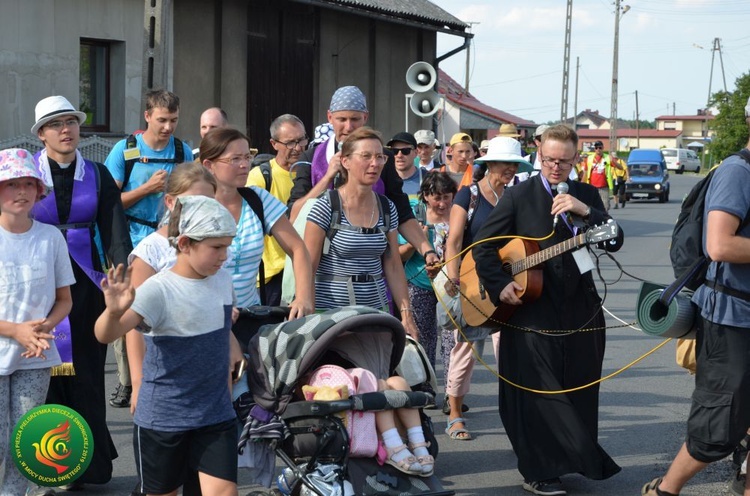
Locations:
(588, 212)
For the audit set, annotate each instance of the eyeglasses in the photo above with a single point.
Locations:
(403, 151)
(237, 160)
(561, 164)
(367, 157)
(598, 148)
(292, 144)
(58, 125)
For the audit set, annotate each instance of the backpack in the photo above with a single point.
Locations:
(130, 142)
(384, 210)
(252, 198)
(263, 161)
(473, 205)
(689, 261)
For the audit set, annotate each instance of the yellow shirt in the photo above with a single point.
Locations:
(281, 187)
(621, 174)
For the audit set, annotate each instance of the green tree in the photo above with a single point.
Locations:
(729, 126)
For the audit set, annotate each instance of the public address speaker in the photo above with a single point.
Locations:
(421, 78)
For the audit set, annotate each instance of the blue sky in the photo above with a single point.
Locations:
(665, 54)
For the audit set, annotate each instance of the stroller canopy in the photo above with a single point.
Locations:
(283, 354)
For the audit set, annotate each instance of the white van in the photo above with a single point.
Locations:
(681, 160)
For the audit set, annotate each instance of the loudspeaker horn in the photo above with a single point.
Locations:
(424, 103)
(421, 77)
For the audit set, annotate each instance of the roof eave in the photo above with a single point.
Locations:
(407, 20)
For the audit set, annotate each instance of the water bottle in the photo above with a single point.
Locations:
(286, 481)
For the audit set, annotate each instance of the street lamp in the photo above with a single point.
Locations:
(619, 12)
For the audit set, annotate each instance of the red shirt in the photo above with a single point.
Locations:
(598, 178)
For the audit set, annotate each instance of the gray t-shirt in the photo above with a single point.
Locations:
(186, 325)
(728, 192)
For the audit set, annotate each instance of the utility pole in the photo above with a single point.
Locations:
(566, 64)
(615, 55)
(575, 104)
(637, 122)
(716, 47)
(468, 59)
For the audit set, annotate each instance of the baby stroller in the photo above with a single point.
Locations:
(313, 441)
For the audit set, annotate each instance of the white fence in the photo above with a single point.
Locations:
(93, 148)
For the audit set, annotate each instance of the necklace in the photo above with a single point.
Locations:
(497, 197)
(348, 212)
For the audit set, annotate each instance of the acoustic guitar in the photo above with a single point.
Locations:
(521, 259)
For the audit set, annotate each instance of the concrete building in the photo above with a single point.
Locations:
(693, 127)
(256, 59)
(629, 139)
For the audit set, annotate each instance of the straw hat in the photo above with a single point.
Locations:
(509, 130)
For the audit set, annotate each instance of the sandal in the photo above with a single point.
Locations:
(456, 434)
(408, 465)
(652, 489)
(427, 461)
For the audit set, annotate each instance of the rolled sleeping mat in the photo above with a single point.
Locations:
(673, 321)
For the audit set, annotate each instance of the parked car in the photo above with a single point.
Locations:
(649, 177)
(681, 160)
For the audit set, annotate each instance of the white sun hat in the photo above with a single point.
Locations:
(503, 149)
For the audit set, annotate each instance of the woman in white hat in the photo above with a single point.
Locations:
(470, 208)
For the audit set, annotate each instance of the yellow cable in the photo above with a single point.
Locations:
(496, 373)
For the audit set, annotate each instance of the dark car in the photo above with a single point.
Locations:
(649, 177)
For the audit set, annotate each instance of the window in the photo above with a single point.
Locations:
(95, 84)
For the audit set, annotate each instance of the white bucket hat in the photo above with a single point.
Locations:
(503, 149)
(51, 107)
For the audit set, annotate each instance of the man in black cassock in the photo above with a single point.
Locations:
(552, 434)
(85, 205)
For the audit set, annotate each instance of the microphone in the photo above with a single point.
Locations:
(562, 188)
(337, 177)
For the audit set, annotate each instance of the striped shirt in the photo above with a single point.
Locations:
(351, 253)
(247, 247)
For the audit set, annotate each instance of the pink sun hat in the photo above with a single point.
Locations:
(16, 163)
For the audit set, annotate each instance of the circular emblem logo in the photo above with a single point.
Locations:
(52, 445)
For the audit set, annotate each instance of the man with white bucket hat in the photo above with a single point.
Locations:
(84, 203)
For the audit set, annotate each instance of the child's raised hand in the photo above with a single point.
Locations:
(33, 335)
(118, 289)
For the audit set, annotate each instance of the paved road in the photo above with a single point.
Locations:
(642, 413)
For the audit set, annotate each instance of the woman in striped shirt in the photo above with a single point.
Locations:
(225, 152)
(357, 256)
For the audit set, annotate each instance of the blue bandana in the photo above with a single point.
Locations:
(348, 98)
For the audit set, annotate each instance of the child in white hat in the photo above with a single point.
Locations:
(34, 299)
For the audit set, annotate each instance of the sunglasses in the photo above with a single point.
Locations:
(598, 148)
(403, 151)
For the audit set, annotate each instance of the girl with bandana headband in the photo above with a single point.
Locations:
(184, 418)
(34, 298)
